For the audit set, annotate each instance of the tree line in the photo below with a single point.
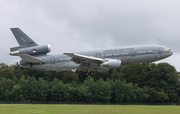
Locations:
(128, 84)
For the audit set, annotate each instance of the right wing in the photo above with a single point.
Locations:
(31, 59)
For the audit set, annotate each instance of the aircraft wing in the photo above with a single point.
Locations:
(82, 59)
(31, 59)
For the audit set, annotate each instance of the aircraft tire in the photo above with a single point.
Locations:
(91, 73)
(83, 74)
(87, 73)
(80, 76)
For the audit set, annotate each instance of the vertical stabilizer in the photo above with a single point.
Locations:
(22, 39)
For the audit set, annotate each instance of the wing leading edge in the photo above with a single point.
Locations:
(85, 61)
(78, 59)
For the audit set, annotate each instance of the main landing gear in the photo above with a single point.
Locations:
(86, 74)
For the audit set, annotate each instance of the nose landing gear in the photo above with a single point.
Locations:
(150, 68)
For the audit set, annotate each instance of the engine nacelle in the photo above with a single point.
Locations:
(111, 63)
(20, 63)
(34, 50)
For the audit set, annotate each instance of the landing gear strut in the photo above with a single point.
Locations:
(150, 68)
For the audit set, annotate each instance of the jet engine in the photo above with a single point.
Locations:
(34, 50)
(111, 63)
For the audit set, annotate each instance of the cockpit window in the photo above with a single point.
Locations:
(167, 49)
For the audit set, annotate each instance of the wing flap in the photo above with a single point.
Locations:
(31, 59)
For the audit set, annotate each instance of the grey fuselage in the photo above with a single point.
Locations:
(127, 55)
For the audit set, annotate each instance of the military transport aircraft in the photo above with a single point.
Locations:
(36, 57)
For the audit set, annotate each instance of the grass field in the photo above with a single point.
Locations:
(86, 109)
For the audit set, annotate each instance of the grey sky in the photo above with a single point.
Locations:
(71, 25)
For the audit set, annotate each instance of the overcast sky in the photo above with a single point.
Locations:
(73, 25)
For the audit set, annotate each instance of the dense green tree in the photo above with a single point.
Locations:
(42, 89)
(69, 93)
(84, 90)
(101, 91)
(128, 84)
(6, 72)
(127, 93)
(16, 94)
(56, 90)
(69, 76)
(161, 97)
(26, 87)
(101, 75)
(17, 72)
(6, 86)
(84, 93)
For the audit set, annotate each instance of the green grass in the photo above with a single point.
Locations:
(86, 109)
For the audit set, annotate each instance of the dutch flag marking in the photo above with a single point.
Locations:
(34, 50)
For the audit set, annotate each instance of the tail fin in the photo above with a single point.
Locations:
(23, 39)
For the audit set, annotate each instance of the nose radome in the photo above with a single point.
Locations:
(171, 53)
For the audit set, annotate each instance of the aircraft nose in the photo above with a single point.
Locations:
(169, 53)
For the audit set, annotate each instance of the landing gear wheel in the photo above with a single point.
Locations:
(80, 76)
(91, 73)
(87, 73)
(83, 74)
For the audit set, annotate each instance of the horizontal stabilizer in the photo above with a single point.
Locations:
(31, 59)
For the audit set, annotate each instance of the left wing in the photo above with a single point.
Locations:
(85, 61)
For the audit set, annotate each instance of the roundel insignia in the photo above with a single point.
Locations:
(34, 50)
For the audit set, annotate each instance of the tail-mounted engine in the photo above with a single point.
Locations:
(34, 50)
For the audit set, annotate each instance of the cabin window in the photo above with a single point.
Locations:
(67, 59)
(124, 53)
(109, 55)
(116, 54)
(142, 51)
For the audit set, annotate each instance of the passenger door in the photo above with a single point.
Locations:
(132, 53)
(160, 50)
(98, 55)
(53, 60)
